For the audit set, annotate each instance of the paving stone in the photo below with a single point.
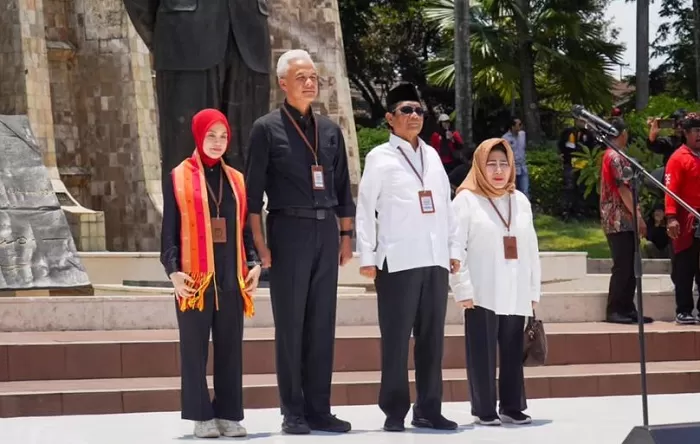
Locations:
(556, 421)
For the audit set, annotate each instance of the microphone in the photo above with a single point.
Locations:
(596, 122)
(627, 173)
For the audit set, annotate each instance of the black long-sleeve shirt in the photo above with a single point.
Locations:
(665, 146)
(279, 164)
(225, 254)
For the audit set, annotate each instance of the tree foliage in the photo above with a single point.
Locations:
(386, 40)
(572, 43)
(674, 43)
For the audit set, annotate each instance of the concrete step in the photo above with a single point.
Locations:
(355, 307)
(136, 395)
(116, 267)
(155, 353)
(600, 282)
(649, 266)
(133, 290)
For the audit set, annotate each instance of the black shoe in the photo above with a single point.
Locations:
(635, 317)
(295, 425)
(518, 418)
(685, 319)
(617, 318)
(437, 423)
(394, 425)
(491, 420)
(328, 423)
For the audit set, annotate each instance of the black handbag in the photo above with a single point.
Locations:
(534, 343)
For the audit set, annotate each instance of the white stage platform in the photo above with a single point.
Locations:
(556, 421)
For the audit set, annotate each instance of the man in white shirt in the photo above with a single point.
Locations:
(517, 139)
(407, 237)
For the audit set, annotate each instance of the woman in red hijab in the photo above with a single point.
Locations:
(208, 253)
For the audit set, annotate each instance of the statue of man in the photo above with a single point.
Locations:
(207, 54)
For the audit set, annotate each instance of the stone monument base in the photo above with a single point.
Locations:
(37, 249)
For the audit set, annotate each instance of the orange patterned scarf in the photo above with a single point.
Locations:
(197, 246)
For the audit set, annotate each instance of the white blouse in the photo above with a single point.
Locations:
(505, 286)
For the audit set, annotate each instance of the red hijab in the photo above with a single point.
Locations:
(201, 122)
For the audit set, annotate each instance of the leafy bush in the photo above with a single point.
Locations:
(368, 138)
(661, 106)
(546, 179)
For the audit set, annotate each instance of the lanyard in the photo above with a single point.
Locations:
(313, 149)
(507, 224)
(422, 165)
(217, 202)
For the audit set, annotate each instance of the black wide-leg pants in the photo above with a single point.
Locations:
(622, 281)
(303, 291)
(485, 332)
(226, 326)
(412, 300)
(684, 271)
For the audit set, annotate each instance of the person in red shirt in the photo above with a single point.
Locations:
(447, 143)
(616, 215)
(683, 178)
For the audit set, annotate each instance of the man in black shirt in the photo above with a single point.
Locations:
(570, 142)
(298, 158)
(666, 145)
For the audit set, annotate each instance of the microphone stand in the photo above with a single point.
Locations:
(634, 174)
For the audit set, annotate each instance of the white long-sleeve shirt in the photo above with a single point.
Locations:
(505, 286)
(401, 234)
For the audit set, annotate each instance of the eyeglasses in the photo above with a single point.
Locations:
(408, 110)
(495, 166)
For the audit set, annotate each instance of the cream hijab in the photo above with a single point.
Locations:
(476, 180)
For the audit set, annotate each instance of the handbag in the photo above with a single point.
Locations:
(534, 343)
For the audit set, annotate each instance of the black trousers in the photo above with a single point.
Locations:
(226, 326)
(412, 300)
(572, 192)
(484, 330)
(684, 271)
(231, 86)
(303, 291)
(622, 281)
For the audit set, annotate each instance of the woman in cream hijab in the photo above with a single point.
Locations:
(499, 283)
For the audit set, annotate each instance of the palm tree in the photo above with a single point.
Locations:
(642, 56)
(571, 55)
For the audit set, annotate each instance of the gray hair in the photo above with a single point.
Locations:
(288, 57)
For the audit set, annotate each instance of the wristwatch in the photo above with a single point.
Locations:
(346, 233)
(252, 264)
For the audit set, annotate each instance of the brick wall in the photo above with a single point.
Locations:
(104, 114)
(314, 25)
(13, 96)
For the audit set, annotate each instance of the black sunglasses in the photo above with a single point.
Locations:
(408, 110)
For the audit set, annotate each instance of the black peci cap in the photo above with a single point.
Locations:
(405, 92)
(619, 124)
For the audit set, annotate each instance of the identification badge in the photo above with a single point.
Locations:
(426, 202)
(317, 177)
(218, 230)
(510, 247)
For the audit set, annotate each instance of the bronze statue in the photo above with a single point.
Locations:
(207, 54)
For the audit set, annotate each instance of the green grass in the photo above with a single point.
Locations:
(557, 235)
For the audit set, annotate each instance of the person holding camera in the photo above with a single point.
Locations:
(666, 145)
